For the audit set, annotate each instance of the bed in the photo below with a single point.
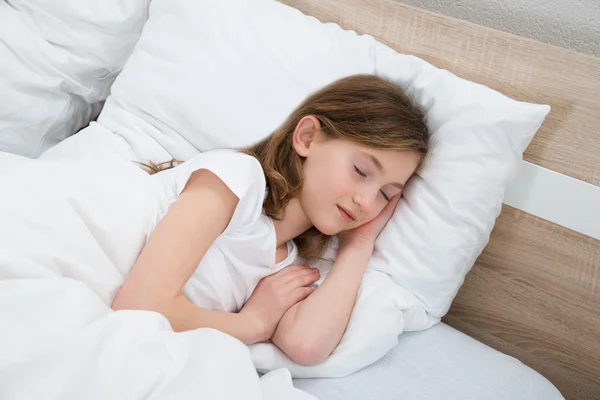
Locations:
(533, 293)
(525, 323)
(439, 363)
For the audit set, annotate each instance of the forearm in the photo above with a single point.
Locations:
(317, 324)
(185, 316)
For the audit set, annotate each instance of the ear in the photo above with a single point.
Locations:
(307, 131)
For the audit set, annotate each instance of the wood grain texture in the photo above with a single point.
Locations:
(569, 140)
(534, 293)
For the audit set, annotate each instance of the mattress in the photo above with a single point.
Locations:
(439, 363)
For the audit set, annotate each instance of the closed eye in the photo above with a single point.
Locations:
(358, 171)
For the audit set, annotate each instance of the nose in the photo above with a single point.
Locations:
(365, 200)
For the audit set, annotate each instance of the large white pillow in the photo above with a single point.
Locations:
(58, 60)
(209, 74)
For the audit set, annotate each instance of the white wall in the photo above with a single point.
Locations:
(574, 24)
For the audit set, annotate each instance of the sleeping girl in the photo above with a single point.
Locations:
(240, 219)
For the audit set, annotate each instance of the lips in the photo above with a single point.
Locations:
(346, 214)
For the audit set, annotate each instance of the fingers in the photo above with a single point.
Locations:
(395, 204)
(391, 205)
(303, 278)
(298, 273)
(290, 270)
(389, 208)
(300, 294)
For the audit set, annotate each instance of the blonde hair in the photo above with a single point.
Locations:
(365, 109)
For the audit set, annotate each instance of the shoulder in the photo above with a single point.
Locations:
(233, 179)
(229, 159)
(229, 155)
(232, 176)
(240, 172)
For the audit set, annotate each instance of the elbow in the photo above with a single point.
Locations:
(308, 353)
(125, 300)
(120, 303)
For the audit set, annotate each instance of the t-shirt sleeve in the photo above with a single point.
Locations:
(242, 174)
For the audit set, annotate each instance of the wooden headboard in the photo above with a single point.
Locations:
(534, 293)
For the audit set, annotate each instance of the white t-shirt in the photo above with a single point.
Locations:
(245, 252)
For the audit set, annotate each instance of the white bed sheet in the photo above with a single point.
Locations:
(439, 363)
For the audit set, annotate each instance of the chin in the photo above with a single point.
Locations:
(327, 227)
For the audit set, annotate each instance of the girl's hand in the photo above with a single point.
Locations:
(275, 294)
(367, 233)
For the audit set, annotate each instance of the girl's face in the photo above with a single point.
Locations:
(346, 185)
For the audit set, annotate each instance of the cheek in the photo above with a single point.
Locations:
(328, 182)
(339, 182)
(374, 211)
(333, 189)
(377, 210)
(320, 212)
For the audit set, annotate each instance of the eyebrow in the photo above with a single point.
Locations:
(379, 166)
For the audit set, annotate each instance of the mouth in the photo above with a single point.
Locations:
(346, 214)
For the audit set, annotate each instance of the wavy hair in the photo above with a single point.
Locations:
(365, 109)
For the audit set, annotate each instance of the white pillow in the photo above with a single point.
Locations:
(478, 137)
(209, 74)
(59, 59)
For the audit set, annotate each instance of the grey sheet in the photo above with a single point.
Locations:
(438, 364)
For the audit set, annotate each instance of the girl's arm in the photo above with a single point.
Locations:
(310, 330)
(200, 214)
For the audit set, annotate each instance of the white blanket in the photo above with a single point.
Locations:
(68, 237)
(381, 309)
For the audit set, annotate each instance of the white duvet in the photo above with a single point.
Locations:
(69, 233)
